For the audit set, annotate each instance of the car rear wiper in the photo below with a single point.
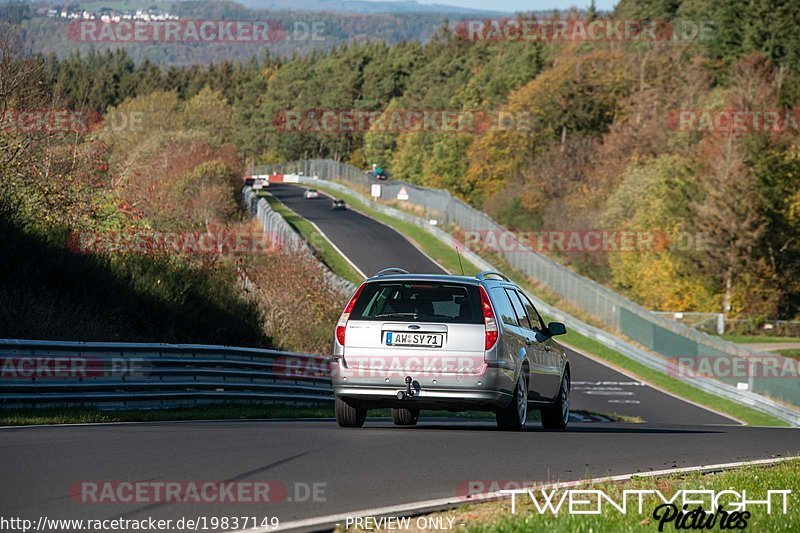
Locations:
(391, 315)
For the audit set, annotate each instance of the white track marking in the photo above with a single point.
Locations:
(659, 389)
(360, 272)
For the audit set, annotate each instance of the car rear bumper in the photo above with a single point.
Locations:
(490, 387)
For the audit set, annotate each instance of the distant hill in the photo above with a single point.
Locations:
(53, 35)
(339, 21)
(361, 6)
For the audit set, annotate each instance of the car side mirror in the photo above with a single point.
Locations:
(556, 328)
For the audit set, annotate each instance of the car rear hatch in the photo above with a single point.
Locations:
(416, 327)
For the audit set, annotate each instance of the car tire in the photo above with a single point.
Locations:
(515, 415)
(349, 414)
(405, 417)
(557, 416)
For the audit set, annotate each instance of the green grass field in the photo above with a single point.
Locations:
(755, 480)
(748, 339)
(792, 352)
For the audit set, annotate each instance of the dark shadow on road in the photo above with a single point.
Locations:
(460, 425)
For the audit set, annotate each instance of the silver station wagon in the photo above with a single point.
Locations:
(420, 341)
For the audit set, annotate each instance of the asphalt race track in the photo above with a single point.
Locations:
(353, 469)
(597, 388)
(371, 246)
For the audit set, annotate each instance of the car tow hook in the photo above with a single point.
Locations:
(409, 392)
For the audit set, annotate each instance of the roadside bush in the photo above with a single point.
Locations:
(297, 306)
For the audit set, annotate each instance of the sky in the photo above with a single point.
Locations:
(522, 5)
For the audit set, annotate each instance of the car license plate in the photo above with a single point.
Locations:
(429, 340)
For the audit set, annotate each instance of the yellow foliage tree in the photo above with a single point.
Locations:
(653, 197)
(578, 95)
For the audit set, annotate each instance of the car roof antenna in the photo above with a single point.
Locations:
(459, 260)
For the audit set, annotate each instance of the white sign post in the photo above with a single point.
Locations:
(376, 190)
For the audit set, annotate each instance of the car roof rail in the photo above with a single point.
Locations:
(391, 270)
(483, 275)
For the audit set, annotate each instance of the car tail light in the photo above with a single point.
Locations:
(489, 321)
(342, 325)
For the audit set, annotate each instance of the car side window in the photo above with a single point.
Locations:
(533, 314)
(518, 309)
(502, 306)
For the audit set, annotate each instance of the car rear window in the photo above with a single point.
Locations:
(419, 301)
(503, 307)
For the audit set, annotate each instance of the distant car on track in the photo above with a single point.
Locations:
(421, 341)
(338, 205)
(310, 194)
(260, 186)
(379, 177)
(382, 176)
(378, 173)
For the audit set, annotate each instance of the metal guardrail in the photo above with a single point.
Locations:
(135, 375)
(127, 375)
(654, 361)
(35, 373)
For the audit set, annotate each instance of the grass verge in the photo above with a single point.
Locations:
(755, 480)
(747, 339)
(792, 352)
(86, 415)
(232, 411)
(329, 255)
(447, 257)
